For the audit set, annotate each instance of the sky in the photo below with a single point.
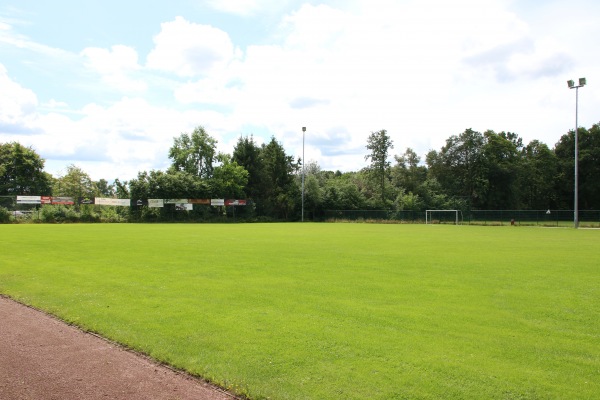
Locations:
(107, 85)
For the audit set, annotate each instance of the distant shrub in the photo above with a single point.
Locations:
(48, 214)
(110, 214)
(4, 215)
(58, 214)
(88, 214)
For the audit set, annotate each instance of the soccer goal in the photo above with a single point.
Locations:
(443, 217)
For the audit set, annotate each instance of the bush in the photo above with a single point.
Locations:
(58, 213)
(109, 214)
(88, 214)
(47, 214)
(4, 215)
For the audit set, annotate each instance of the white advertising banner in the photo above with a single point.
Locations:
(217, 202)
(184, 207)
(112, 202)
(156, 203)
(29, 199)
(175, 201)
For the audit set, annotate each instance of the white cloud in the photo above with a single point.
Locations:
(17, 106)
(190, 49)
(243, 7)
(54, 104)
(109, 62)
(10, 37)
(122, 139)
(115, 66)
(423, 70)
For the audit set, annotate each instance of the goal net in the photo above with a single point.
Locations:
(443, 217)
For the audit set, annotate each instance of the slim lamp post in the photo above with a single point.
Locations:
(303, 131)
(572, 85)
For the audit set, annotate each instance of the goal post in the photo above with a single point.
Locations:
(443, 217)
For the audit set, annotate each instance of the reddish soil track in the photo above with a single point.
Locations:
(44, 358)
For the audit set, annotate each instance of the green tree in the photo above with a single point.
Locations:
(104, 189)
(194, 153)
(343, 191)
(379, 145)
(22, 171)
(281, 196)
(229, 178)
(74, 183)
(247, 154)
(121, 189)
(313, 191)
(407, 173)
(538, 177)
(501, 167)
(588, 168)
(408, 201)
(459, 167)
(168, 185)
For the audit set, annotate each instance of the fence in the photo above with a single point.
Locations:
(88, 213)
(412, 217)
(587, 218)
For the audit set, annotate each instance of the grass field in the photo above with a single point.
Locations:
(330, 311)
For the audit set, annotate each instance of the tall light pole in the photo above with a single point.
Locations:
(303, 131)
(572, 85)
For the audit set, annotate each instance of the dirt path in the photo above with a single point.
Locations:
(44, 358)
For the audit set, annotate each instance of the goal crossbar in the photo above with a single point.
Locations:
(429, 220)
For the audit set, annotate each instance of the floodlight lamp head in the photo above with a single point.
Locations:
(303, 129)
(582, 82)
(571, 83)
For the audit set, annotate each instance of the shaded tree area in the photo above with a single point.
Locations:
(22, 171)
(471, 171)
(589, 168)
(495, 171)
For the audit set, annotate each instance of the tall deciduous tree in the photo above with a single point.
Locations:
(167, 185)
(407, 173)
(458, 166)
(22, 171)
(229, 178)
(538, 177)
(501, 160)
(379, 145)
(247, 154)
(281, 195)
(194, 153)
(588, 168)
(342, 192)
(74, 183)
(104, 188)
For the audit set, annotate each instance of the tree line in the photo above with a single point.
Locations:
(472, 171)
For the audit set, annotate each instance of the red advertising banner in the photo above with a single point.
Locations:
(235, 202)
(199, 201)
(63, 200)
(46, 200)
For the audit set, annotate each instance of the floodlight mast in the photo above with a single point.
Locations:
(571, 83)
(303, 131)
